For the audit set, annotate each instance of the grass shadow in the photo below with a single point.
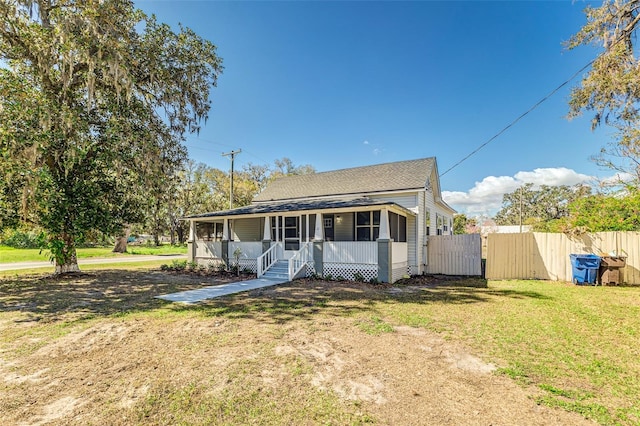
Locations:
(117, 292)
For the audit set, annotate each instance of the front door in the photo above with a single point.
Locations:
(291, 235)
(287, 231)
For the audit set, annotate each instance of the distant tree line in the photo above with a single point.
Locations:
(190, 188)
(567, 209)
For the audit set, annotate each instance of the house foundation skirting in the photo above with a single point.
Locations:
(246, 265)
(350, 271)
(399, 270)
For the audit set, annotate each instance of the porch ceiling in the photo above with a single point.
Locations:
(304, 205)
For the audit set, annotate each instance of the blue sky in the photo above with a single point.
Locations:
(346, 84)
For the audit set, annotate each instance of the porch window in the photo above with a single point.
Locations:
(439, 224)
(398, 228)
(274, 231)
(367, 225)
(209, 231)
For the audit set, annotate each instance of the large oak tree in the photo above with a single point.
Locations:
(96, 97)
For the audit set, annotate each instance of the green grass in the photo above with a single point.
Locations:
(374, 326)
(146, 264)
(578, 344)
(11, 255)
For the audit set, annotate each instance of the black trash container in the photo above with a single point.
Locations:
(609, 272)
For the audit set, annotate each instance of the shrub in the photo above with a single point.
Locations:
(21, 238)
(176, 265)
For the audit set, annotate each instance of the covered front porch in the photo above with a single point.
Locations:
(363, 239)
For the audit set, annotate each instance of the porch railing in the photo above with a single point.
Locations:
(248, 249)
(267, 259)
(360, 252)
(299, 260)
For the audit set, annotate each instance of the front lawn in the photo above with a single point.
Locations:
(101, 350)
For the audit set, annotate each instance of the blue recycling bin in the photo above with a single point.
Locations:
(584, 268)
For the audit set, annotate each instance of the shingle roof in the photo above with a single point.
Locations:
(412, 174)
(293, 206)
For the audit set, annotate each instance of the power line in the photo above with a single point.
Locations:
(197, 138)
(626, 32)
(536, 105)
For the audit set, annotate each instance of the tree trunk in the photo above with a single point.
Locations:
(122, 240)
(173, 231)
(67, 261)
(181, 233)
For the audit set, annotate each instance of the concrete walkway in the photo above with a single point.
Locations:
(194, 296)
(93, 261)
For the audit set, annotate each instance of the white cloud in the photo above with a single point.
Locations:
(552, 177)
(365, 143)
(376, 151)
(485, 198)
(617, 179)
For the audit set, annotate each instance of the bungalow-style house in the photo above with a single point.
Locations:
(363, 223)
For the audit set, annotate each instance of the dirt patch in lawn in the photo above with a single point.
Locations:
(99, 349)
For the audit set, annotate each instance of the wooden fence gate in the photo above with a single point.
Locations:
(454, 255)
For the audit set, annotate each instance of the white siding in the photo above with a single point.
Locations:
(247, 229)
(431, 205)
(408, 201)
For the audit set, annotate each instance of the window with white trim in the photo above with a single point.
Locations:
(367, 225)
(209, 231)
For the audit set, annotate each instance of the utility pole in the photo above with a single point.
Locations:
(521, 209)
(231, 154)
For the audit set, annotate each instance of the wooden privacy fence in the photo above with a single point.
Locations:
(546, 256)
(454, 254)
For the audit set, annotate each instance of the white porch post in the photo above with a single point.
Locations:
(277, 229)
(225, 229)
(307, 230)
(384, 225)
(318, 234)
(191, 243)
(266, 234)
(192, 230)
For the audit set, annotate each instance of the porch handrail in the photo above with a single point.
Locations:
(299, 260)
(267, 259)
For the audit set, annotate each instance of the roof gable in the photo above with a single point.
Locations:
(397, 176)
